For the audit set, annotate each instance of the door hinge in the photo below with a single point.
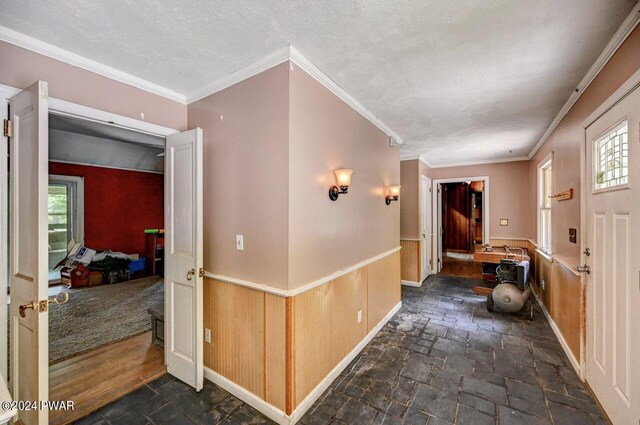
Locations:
(429, 190)
(201, 272)
(7, 128)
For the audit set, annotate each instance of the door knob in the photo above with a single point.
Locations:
(190, 274)
(584, 269)
(23, 308)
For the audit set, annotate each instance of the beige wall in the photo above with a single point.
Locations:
(20, 67)
(509, 193)
(565, 143)
(409, 199)
(327, 134)
(246, 174)
(563, 295)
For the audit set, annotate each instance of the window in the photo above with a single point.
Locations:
(65, 218)
(545, 188)
(611, 158)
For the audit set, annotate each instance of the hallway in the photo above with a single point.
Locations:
(442, 359)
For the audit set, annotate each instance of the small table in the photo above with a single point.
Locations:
(157, 325)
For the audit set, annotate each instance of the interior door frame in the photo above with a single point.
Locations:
(425, 206)
(437, 214)
(57, 107)
(625, 89)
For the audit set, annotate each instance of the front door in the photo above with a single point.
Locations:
(612, 202)
(28, 250)
(183, 257)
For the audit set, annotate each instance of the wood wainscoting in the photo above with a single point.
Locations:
(280, 348)
(410, 259)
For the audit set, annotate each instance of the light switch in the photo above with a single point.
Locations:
(240, 242)
(359, 316)
(573, 235)
(207, 335)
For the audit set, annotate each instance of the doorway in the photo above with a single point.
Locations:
(109, 183)
(611, 266)
(461, 220)
(27, 269)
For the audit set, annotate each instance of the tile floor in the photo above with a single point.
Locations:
(442, 359)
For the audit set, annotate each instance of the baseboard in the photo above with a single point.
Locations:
(412, 283)
(248, 397)
(567, 351)
(278, 415)
(324, 384)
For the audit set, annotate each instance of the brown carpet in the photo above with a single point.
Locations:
(97, 316)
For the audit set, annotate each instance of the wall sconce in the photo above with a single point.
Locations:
(343, 178)
(394, 194)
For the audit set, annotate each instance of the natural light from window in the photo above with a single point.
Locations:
(544, 212)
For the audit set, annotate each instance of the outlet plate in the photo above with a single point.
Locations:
(240, 242)
(359, 316)
(207, 335)
(542, 284)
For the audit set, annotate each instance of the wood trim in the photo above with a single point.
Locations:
(290, 385)
(625, 29)
(410, 260)
(293, 292)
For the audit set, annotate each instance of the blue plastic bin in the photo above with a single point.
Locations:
(137, 265)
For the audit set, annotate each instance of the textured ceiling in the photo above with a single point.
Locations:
(458, 80)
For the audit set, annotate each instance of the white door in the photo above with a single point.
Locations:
(183, 257)
(425, 210)
(612, 231)
(28, 249)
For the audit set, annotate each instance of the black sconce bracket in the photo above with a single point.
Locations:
(334, 192)
(388, 199)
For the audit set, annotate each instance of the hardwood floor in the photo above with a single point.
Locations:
(460, 267)
(100, 376)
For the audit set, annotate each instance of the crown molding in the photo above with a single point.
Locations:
(294, 56)
(418, 157)
(49, 50)
(628, 25)
(482, 162)
(271, 60)
(306, 65)
(422, 159)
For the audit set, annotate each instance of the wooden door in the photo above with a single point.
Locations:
(457, 216)
(612, 214)
(28, 250)
(183, 257)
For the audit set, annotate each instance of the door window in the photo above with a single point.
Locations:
(611, 158)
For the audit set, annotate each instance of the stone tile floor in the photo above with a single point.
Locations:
(442, 359)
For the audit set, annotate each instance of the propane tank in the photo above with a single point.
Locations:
(509, 298)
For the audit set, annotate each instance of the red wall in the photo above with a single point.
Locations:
(118, 205)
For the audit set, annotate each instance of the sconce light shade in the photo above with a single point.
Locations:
(394, 194)
(343, 178)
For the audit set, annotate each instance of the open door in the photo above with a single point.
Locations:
(183, 257)
(28, 250)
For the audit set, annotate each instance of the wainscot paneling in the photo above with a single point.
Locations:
(326, 328)
(280, 348)
(383, 291)
(236, 317)
(275, 350)
(410, 260)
